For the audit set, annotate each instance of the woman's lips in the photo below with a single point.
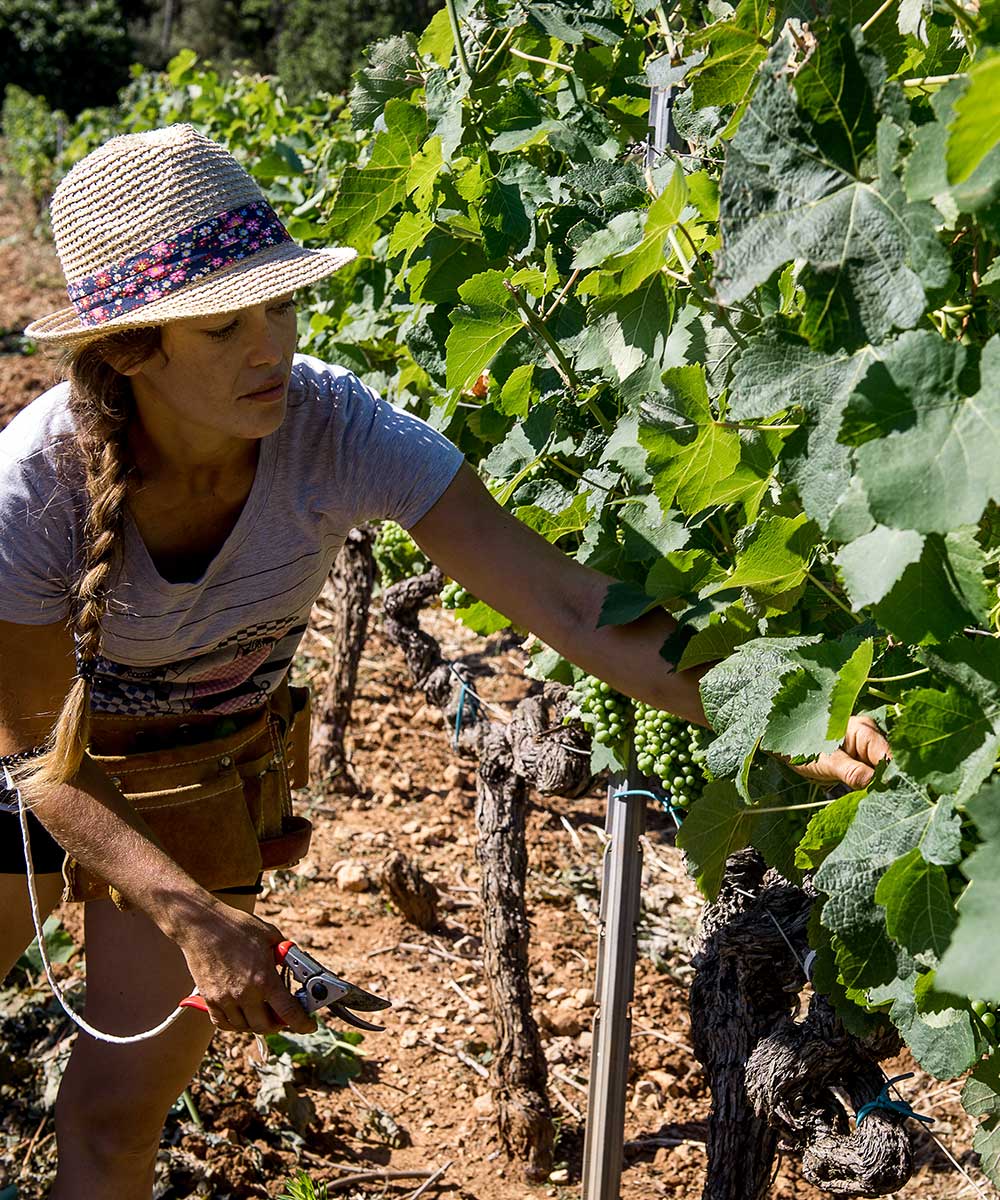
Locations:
(273, 393)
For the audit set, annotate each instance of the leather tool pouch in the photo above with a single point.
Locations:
(220, 808)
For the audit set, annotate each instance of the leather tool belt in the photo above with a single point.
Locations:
(219, 804)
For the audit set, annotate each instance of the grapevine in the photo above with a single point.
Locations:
(607, 712)
(397, 555)
(672, 750)
(453, 596)
(778, 421)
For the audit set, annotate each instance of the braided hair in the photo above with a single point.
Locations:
(102, 405)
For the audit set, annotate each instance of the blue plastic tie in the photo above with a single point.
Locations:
(460, 713)
(663, 801)
(884, 1101)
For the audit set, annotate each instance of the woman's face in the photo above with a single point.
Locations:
(201, 384)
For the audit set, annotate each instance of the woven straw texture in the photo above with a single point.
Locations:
(140, 188)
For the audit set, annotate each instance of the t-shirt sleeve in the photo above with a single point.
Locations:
(395, 464)
(36, 550)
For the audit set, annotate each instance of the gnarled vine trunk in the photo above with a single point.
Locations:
(534, 750)
(774, 1080)
(350, 593)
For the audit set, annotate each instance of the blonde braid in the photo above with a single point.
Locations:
(101, 404)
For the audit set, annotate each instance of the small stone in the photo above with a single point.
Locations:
(412, 826)
(583, 997)
(586, 1040)
(666, 1081)
(401, 781)
(409, 1038)
(556, 993)
(483, 1104)
(559, 1175)
(455, 777)
(352, 877)
(564, 1022)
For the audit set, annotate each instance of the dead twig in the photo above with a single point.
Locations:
(433, 1179)
(445, 954)
(568, 1080)
(459, 1054)
(31, 1145)
(335, 1185)
(567, 1104)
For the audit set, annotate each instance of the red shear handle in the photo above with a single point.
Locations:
(197, 1002)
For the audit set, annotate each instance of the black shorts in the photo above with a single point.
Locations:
(47, 855)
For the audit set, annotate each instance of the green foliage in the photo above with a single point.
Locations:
(754, 383)
(302, 1187)
(75, 53)
(397, 555)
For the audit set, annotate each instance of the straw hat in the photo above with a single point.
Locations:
(152, 227)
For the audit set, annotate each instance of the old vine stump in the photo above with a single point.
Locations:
(351, 582)
(520, 1072)
(774, 1079)
(414, 896)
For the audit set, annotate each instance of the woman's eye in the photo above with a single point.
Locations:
(228, 330)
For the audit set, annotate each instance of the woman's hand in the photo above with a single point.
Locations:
(853, 765)
(230, 955)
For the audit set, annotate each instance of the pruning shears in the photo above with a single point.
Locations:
(320, 989)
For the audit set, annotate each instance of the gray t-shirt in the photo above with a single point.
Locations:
(218, 644)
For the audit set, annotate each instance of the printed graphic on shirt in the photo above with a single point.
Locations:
(235, 676)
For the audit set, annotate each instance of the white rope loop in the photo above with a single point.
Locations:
(111, 1038)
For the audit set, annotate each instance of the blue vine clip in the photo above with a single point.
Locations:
(663, 801)
(466, 690)
(884, 1101)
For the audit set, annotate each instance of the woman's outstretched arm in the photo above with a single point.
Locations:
(516, 571)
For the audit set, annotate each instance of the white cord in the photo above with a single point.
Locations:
(114, 1039)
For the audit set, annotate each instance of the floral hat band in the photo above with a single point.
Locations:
(166, 225)
(175, 262)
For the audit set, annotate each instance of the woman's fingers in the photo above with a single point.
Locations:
(838, 767)
(865, 741)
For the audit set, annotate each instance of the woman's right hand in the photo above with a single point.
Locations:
(230, 955)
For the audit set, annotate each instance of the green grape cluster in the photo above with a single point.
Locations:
(987, 1014)
(453, 595)
(606, 711)
(397, 555)
(672, 750)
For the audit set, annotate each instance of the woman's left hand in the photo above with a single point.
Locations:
(853, 765)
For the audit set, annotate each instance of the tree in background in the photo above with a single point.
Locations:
(321, 41)
(76, 53)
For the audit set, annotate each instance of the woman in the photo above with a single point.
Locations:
(168, 514)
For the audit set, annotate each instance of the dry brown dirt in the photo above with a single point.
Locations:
(418, 797)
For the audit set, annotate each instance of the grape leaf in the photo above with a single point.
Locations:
(773, 556)
(826, 830)
(965, 969)
(975, 129)
(391, 72)
(919, 913)
(942, 1041)
(798, 185)
(938, 732)
(369, 192)
(811, 709)
(910, 583)
(487, 321)
(717, 826)
(889, 823)
(981, 1098)
(929, 459)
(737, 696)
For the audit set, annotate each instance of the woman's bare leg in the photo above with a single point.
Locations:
(114, 1099)
(16, 929)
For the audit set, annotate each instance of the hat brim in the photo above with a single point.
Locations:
(270, 273)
